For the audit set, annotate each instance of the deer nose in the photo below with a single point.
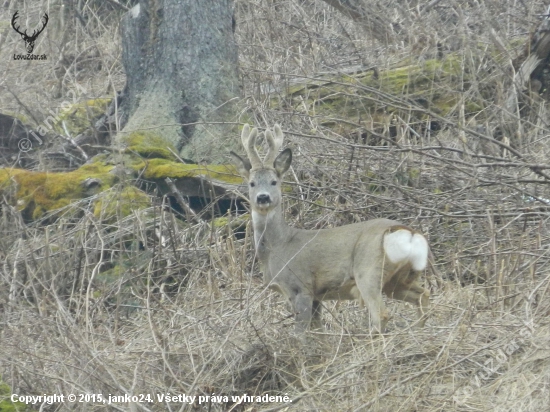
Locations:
(263, 198)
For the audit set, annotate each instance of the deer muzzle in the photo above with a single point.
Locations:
(263, 199)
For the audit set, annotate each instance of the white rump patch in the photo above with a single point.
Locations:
(134, 11)
(402, 246)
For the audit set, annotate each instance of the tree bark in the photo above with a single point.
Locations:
(181, 65)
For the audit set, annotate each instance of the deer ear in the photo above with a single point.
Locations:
(243, 165)
(282, 161)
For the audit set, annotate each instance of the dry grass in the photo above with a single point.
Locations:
(150, 305)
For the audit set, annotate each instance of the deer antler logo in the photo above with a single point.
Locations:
(29, 40)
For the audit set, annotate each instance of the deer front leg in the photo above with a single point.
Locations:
(303, 307)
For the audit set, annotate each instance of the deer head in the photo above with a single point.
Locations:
(264, 177)
(29, 40)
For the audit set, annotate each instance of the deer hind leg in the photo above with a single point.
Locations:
(417, 295)
(369, 283)
(317, 310)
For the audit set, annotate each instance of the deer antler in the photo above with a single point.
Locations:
(274, 143)
(249, 142)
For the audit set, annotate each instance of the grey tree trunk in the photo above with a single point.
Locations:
(182, 84)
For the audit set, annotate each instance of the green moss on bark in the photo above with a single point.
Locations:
(114, 204)
(161, 168)
(435, 85)
(149, 145)
(37, 193)
(79, 117)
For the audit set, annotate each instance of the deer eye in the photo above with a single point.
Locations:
(252, 184)
(273, 183)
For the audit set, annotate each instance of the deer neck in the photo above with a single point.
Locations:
(270, 230)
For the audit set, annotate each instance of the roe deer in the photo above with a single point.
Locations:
(359, 260)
